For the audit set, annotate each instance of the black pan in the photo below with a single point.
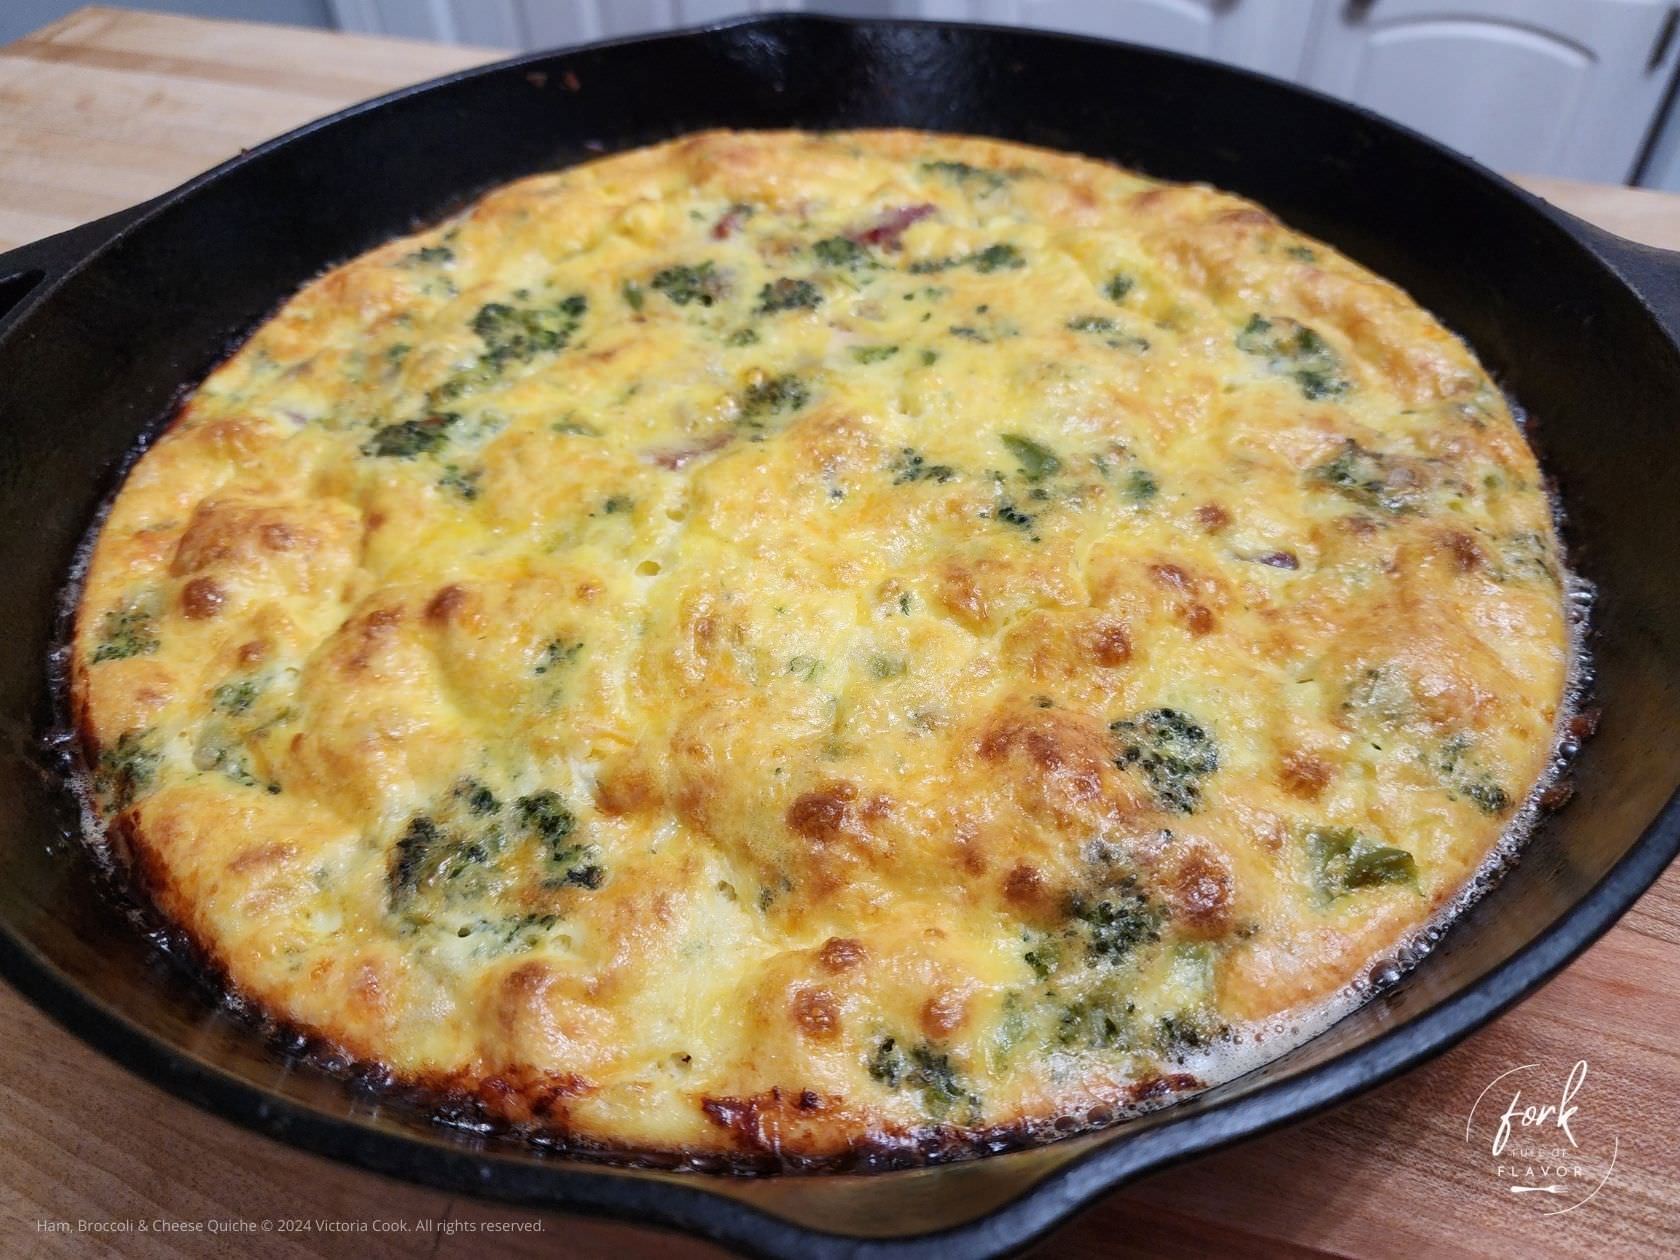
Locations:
(101, 328)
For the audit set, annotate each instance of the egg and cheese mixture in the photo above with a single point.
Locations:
(782, 643)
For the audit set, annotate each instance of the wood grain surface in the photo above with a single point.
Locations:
(106, 108)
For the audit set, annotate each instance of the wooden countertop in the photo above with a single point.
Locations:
(107, 108)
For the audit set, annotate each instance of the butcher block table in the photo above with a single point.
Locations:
(106, 108)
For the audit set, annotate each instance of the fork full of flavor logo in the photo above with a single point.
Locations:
(1541, 1144)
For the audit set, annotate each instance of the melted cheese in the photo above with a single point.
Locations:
(779, 642)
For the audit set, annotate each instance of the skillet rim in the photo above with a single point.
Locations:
(685, 1201)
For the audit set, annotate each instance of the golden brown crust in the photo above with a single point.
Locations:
(780, 645)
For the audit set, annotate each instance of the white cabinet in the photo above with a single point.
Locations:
(572, 21)
(541, 23)
(1266, 35)
(1554, 87)
(1541, 87)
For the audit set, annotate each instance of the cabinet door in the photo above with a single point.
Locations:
(1544, 87)
(1265, 35)
(554, 23)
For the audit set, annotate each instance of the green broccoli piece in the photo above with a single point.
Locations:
(479, 799)
(1292, 349)
(1037, 460)
(128, 630)
(409, 438)
(843, 252)
(909, 466)
(1370, 479)
(517, 334)
(234, 698)
(926, 1070)
(772, 396)
(430, 256)
(1175, 754)
(1118, 286)
(787, 294)
(1117, 924)
(1343, 860)
(996, 258)
(963, 174)
(126, 769)
(1092, 324)
(701, 283)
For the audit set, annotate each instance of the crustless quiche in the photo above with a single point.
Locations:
(782, 645)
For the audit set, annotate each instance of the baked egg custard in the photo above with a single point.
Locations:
(778, 647)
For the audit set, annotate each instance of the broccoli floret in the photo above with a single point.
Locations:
(1091, 1023)
(1458, 768)
(1489, 797)
(1292, 349)
(1370, 479)
(1343, 860)
(1117, 287)
(430, 256)
(414, 854)
(1044, 957)
(887, 1064)
(570, 863)
(1115, 925)
(926, 1070)
(997, 258)
(1108, 330)
(772, 396)
(873, 354)
(126, 769)
(236, 697)
(463, 483)
(546, 815)
(1000, 257)
(128, 630)
(591, 876)
(1092, 324)
(478, 798)
(555, 653)
(701, 283)
(517, 334)
(456, 853)
(409, 438)
(969, 176)
(1188, 1030)
(842, 251)
(1037, 460)
(909, 466)
(788, 294)
(508, 932)
(1011, 515)
(1174, 752)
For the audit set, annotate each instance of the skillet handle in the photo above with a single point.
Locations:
(1652, 273)
(30, 271)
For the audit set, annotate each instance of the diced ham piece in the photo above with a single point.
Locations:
(674, 457)
(891, 225)
(725, 227)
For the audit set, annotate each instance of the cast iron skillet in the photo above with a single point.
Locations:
(101, 328)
